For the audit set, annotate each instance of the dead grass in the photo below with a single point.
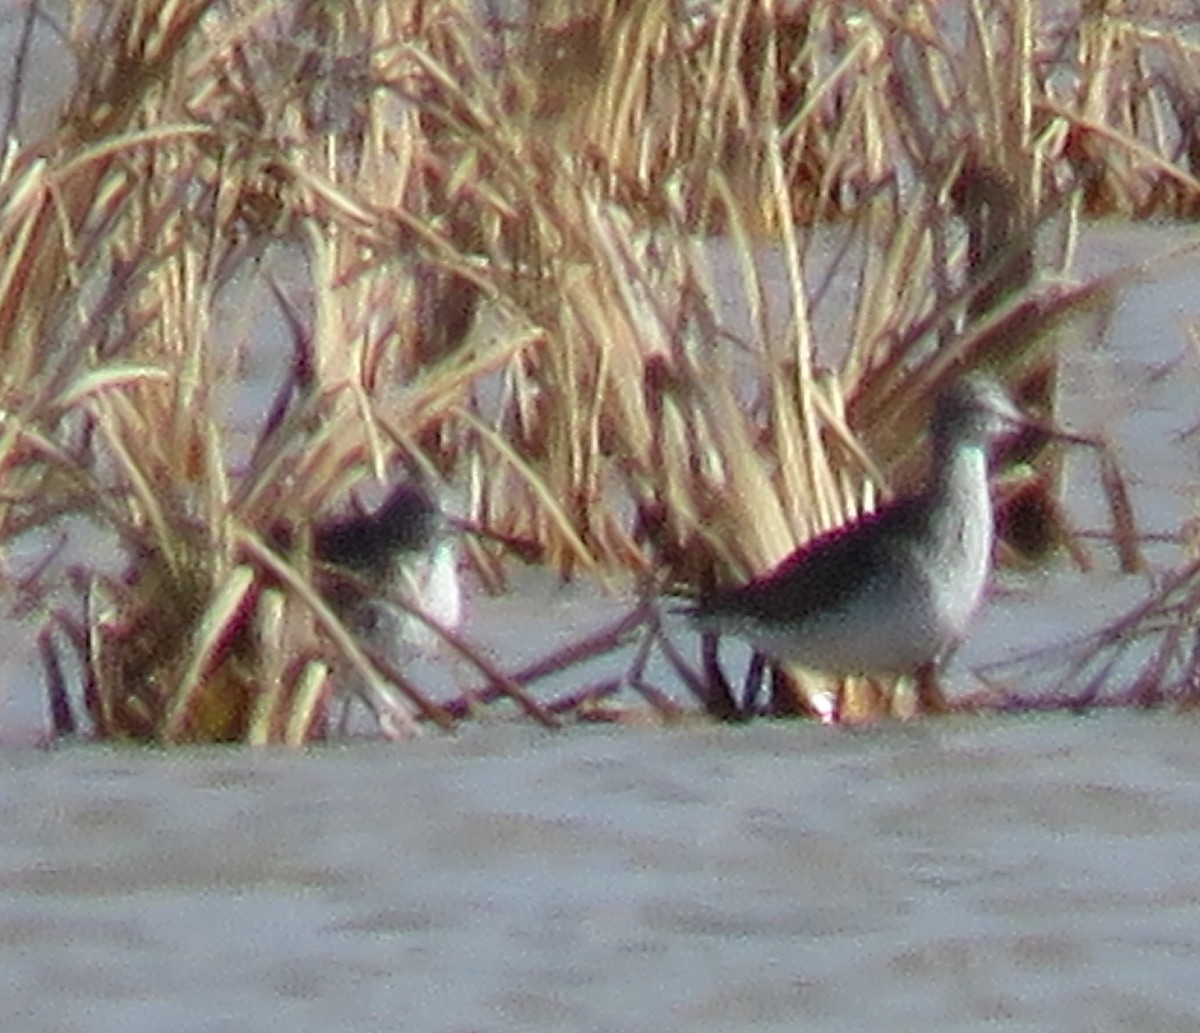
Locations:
(504, 236)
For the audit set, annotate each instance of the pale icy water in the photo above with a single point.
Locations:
(998, 874)
(990, 873)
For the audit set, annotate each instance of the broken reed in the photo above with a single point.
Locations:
(500, 237)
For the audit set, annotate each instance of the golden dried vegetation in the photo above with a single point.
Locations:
(649, 280)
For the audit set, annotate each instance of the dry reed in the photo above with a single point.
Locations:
(493, 244)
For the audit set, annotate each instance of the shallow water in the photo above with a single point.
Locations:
(998, 873)
(1015, 874)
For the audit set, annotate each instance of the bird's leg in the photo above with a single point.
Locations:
(720, 695)
(753, 684)
(930, 699)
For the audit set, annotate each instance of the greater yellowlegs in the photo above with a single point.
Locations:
(894, 592)
(402, 552)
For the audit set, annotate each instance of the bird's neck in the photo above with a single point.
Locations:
(960, 503)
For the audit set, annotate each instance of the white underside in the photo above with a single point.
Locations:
(430, 584)
(908, 616)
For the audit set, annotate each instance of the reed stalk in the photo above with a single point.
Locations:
(503, 251)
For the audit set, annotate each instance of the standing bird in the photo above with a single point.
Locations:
(403, 550)
(894, 592)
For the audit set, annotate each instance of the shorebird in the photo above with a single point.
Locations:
(892, 593)
(402, 550)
